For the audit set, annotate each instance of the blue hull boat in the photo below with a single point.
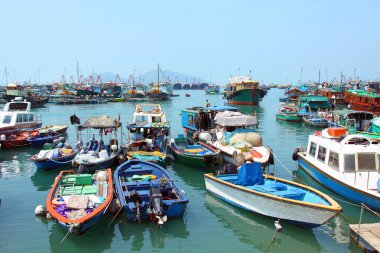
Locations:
(40, 140)
(45, 162)
(147, 192)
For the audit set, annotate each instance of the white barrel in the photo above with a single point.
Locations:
(101, 176)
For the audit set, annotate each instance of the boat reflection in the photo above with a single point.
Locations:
(191, 175)
(263, 235)
(136, 234)
(16, 162)
(42, 179)
(97, 239)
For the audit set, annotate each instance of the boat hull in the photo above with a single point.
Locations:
(245, 97)
(93, 167)
(288, 117)
(337, 186)
(50, 164)
(302, 215)
(195, 160)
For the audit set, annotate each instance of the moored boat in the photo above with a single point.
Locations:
(78, 202)
(17, 140)
(146, 191)
(243, 90)
(315, 120)
(198, 154)
(58, 129)
(274, 197)
(346, 164)
(288, 114)
(54, 158)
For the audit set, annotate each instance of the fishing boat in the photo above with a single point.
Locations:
(197, 154)
(40, 139)
(137, 92)
(237, 140)
(347, 164)
(314, 120)
(361, 100)
(212, 90)
(78, 201)
(146, 191)
(155, 92)
(312, 103)
(177, 86)
(187, 95)
(14, 90)
(148, 134)
(199, 119)
(54, 158)
(16, 116)
(97, 153)
(292, 94)
(243, 90)
(353, 121)
(334, 94)
(274, 197)
(17, 140)
(288, 114)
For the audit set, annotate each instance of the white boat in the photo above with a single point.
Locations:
(274, 197)
(346, 164)
(237, 139)
(16, 116)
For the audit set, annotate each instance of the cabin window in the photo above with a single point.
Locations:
(349, 163)
(7, 119)
(366, 162)
(334, 160)
(191, 120)
(25, 117)
(313, 149)
(321, 154)
(141, 118)
(19, 118)
(30, 117)
(156, 119)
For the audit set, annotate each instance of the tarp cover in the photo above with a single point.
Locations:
(250, 174)
(103, 121)
(229, 118)
(374, 126)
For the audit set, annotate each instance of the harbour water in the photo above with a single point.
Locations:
(210, 225)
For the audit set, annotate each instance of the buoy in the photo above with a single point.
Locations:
(278, 226)
(40, 210)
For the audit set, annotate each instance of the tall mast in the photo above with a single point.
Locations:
(319, 77)
(6, 75)
(158, 76)
(78, 72)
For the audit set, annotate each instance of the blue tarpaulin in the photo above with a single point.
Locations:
(250, 174)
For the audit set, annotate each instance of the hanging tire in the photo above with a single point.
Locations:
(271, 158)
(295, 154)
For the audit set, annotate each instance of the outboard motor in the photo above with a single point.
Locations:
(156, 206)
(136, 199)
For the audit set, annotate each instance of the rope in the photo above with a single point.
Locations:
(369, 209)
(60, 162)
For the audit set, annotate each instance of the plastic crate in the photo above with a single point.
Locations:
(81, 179)
(69, 190)
(89, 190)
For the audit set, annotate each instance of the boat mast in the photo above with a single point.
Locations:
(78, 72)
(319, 77)
(158, 76)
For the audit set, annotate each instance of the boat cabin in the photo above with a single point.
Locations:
(353, 157)
(16, 116)
(352, 120)
(148, 113)
(201, 118)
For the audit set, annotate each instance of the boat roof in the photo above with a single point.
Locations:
(17, 105)
(313, 98)
(364, 93)
(100, 122)
(216, 108)
(346, 113)
(230, 118)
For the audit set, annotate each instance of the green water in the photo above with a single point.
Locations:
(209, 225)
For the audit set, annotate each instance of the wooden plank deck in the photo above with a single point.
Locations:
(368, 238)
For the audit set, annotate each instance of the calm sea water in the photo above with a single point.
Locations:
(209, 225)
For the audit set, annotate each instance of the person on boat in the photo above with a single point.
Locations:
(207, 103)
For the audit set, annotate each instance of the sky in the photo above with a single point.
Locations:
(41, 40)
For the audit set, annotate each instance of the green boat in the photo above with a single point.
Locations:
(199, 154)
(243, 91)
(288, 114)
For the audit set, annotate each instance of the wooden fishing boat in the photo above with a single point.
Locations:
(315, 121)
(346, 164)
(146, 191)
(198, 154)
(273, 197)
(78, 201)
(17, 140)
(288, 114)
(54, 158)
(243, 90)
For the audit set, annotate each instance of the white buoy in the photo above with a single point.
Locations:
(278, 226)
(40, 210)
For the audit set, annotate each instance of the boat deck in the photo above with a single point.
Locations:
(368, 237)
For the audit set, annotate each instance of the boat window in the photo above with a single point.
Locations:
(30, 116)
(366, 162)
(19, 118)
(190, 119)
(156, 119)
(141, 118)
(334, 160)
(25, 117)
(349, 163)
(313, 149)
(7, 119)
(321, 154)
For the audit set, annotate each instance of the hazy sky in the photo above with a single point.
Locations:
(209, 39)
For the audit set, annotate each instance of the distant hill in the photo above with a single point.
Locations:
(151, 76)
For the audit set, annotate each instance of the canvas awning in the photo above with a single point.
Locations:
(229, 118)
(100, 122)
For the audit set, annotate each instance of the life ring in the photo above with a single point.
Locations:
(295, 154)
(56, 202)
